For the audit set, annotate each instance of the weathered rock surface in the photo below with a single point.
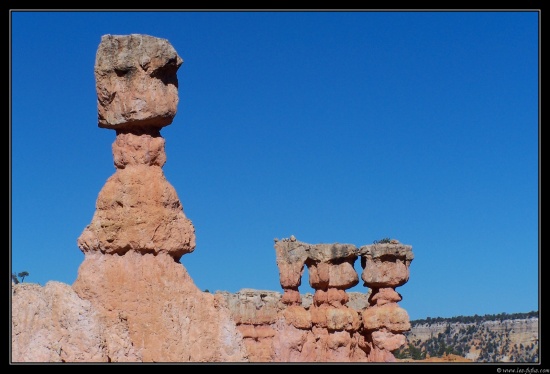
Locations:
(276, 332)
(386, 264)
(53, 324)
(367, 336)
(331, 325)
(138, 209)
(136, 81)
(389, 316)
(271, 300)
(168, 318)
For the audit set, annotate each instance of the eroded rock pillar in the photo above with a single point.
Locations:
(385, 267)
(293, 342)
(131, 271)
(331, 273)
(137, 209)
(332, 325)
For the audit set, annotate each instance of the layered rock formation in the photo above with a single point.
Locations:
(275, 332)
(385, 267)
(330, 330)
(486, 340)
(331, 326)
(134, 302)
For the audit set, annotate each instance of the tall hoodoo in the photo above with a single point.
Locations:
(137, 209)
(385, 267)
(139, 231)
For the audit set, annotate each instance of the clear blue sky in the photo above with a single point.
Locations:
(332, 126)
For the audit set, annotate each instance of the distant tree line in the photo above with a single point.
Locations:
(476, 318)
(459, 335)
(410, 351)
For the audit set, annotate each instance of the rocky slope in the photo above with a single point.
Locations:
(491, 338)
(53, 324)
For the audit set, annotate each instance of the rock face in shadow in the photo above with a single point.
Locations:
(133, 301)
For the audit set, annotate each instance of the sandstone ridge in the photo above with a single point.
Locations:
(133, 301)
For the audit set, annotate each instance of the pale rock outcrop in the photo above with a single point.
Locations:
(53, 324)
(255, 312)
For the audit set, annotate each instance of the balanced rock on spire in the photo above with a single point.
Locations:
(137, 209)
(136, 81)
(150, 308)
